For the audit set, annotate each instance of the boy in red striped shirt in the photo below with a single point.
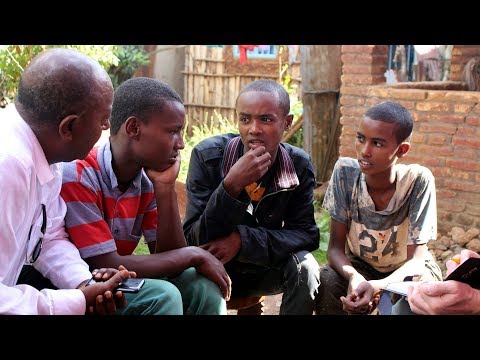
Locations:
(125, 189)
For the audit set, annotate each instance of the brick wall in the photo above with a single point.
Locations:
(446, 135)
(460, 56)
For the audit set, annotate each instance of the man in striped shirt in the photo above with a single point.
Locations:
(125, 189)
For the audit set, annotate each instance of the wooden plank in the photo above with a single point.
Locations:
(188, 86)
(203, 88)
(190, 93)
(219, 89)
(257, 76)
(194, 89)
(185, 77)
(320, 72)
(208, 105)
(298, 124)
(207, 87)
(210, 60)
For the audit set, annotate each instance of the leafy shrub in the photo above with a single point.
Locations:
(323, 223)
(120, 61)
(222, 125)
(296, 105)
(130, 58)
(15, 58)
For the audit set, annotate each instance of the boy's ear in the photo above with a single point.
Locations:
(403, 149)
(288, 121)
(65, 128)
(132, 127)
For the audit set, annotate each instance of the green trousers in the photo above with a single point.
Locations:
(189, 293)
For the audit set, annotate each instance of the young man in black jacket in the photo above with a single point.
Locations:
(250, 202)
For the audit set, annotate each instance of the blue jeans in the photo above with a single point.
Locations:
(298, 278)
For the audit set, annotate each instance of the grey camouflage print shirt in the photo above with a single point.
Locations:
(380, 238)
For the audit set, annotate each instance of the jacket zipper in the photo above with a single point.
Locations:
(276, 192)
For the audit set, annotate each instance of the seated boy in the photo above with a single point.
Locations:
(125, 189)
(250, 202)
(382, 216)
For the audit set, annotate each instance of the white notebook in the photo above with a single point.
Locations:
(400, 287)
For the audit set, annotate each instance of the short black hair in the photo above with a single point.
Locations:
(393, 113)
(140, 97)
(270, 86)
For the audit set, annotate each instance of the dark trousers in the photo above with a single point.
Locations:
(297, 278)
(333, 285)
(31, 276)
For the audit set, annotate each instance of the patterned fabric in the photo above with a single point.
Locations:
(101, 218)
(380, 238)
(255, 191)
(285, 175)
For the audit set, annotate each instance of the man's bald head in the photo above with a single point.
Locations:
(59, 82)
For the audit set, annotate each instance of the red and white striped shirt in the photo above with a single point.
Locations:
(101, 218)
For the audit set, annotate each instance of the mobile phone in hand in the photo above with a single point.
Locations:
(91, 281)
(131, 285)
(467, 272)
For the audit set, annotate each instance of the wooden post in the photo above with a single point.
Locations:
(320, 71)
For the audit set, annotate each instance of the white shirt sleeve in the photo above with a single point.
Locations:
(26, 300)
(59, 258)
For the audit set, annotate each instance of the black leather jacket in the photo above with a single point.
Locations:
(284, 217)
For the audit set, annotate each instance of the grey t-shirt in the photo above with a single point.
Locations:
(381, 237)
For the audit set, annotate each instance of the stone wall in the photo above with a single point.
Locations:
(453, 243)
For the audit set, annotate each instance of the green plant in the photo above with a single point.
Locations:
(15, 58)
(323, 222)
(130, 58)
(216, 126)
(296, 106)
(120, 61)
(142, 248)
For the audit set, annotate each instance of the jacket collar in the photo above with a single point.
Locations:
(285, 176)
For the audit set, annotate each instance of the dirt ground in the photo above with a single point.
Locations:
(271, 305)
